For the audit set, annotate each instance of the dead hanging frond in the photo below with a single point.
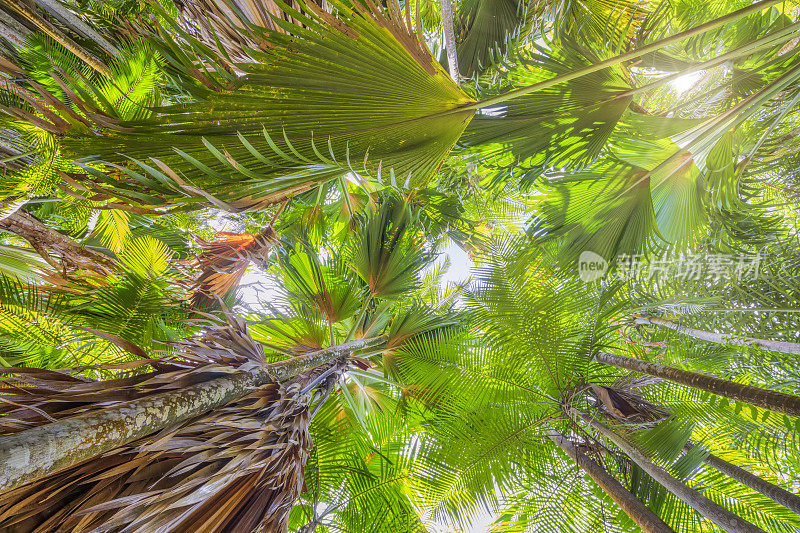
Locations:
(223, 262)
(33, 396)
(231, 24)
(239, 468)
(226, 342)
(626, 406)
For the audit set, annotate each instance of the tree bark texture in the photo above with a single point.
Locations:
(36, 452)
(720, 338)
(758, 484)
(450, 40)
(765, 398)
(46, 240)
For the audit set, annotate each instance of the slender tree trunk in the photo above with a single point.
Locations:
(644, 517)
(720, 338)
(768, 399)
(33, 453)
(707, 508)
(12, 31)
(758, 484)
(450, 39)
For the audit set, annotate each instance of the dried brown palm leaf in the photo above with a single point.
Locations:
(239, 468)
(231, 24)
(223, 262)
(627, 406)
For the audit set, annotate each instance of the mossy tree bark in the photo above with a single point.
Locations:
(31, 454)
(707, 508)
(770, 490)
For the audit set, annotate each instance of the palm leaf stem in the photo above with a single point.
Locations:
(54, 33)
(764, 398)
(707, 508)
(771, 40)
(616, 60)
(709, 133)
(768, 131)
(722, 338)
(359, 318)
(31, 454)
(635, 509)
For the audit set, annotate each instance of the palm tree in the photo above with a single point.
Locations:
(333, 137)
(768, 399)
(131, 411)
(274, 154)
(639, 512)
(530, 376)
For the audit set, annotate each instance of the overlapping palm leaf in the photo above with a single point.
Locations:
(483, 30)
(562, 126)
(248, 141)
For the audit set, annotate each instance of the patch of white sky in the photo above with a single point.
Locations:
(480, 524)
(460, 264)
(684, 83)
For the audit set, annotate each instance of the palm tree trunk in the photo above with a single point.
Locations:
(720, 338)
(707, 508)
(450, 40)
(76, 24)
(644, 517)
(11, 30)
(773, 492)
(765, 398)
(33, 453)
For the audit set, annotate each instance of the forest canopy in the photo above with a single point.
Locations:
(445, 266)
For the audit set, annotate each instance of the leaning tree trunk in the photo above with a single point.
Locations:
(33, 453)
(644, 517)
(765, 398)
(773, 492)
(707, 508)
(46, 241)
(29, 13)
(720, 338)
